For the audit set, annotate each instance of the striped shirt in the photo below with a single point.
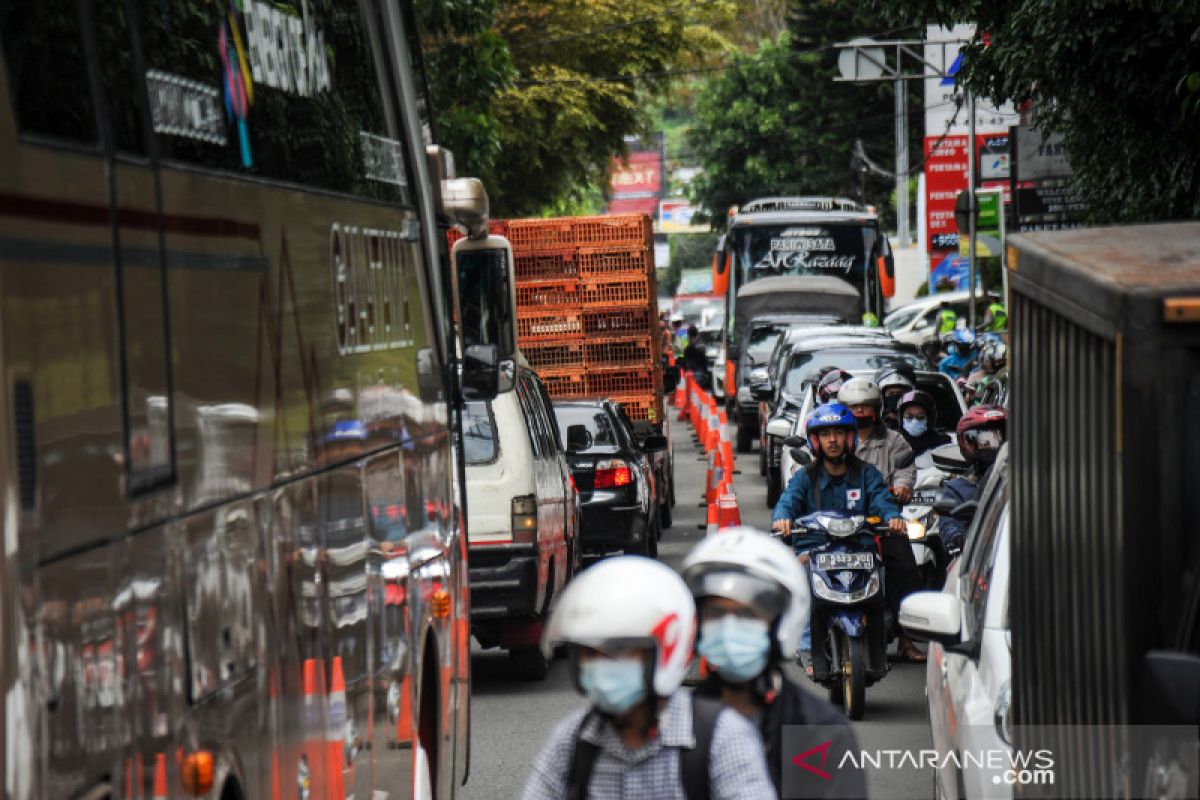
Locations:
(737, 769)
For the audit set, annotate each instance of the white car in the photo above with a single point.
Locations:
(970, 656)
(522, 519)
(916, 322)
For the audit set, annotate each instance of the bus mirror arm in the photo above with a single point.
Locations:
(465, 203)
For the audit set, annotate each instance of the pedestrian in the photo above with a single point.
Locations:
(629, 626)
(753, 600)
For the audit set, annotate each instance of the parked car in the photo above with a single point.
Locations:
(618, 487)
(916, 322)
(522, 520)
(784, 396)
(969, 669)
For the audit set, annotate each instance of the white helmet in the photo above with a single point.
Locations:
(751, 567)
(861, 391)
(629, 601)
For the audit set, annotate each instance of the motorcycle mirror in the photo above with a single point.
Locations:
(967, 509)
(802, 456)
(794, 441)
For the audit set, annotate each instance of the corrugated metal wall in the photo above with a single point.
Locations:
(1068, 582)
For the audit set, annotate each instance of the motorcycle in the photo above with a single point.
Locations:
(849, 628)
(919, 514)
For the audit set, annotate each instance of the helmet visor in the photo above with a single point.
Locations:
(765, 596)
(986, 439)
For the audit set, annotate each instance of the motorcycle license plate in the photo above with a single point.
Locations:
(924, 497)
(832, 561)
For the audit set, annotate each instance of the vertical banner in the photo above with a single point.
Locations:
(637, 184)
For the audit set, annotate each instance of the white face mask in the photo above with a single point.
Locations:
(915, 426)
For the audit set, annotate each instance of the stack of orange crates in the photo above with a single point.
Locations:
(587, 307)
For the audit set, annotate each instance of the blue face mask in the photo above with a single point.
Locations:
(613, 685)
(736, 647)
(915, 427)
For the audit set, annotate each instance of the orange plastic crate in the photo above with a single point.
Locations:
(610, 322)
(615, 291)
(640, 407)
(599, 262)
(547, 325)
(542, 294)
(626, 352)
(546, 264)
(619, 229)
(540, 234)
(563, 384)
(556, 355)
(610, 382)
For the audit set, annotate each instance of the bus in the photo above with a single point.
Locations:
(234, 561)
(774, 236)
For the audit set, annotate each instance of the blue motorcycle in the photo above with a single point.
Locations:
(849, 623)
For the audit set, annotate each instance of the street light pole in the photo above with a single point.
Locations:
(900, 87)
(972, 209)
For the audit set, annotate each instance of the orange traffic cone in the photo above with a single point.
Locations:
(714, 523)
(160, 777)
(335, 739)
(728, 514)
(312, 757)
(404, 726)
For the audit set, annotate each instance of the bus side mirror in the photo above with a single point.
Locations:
(721, 259)
(480, 372)
(887, 269)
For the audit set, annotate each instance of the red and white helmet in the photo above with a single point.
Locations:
(629, 602)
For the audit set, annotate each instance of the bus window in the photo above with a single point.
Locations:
(278, 94)
(47, 76)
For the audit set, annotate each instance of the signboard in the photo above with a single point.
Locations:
(943, 48)
(1043, 199)
(675, 216)
(945, 177)
(1040, 156)
(989, 225)
(636, 185)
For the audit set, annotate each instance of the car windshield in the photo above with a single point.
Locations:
(598, 423)
(698, 281)
(703, 311)
(898, 320)
(819, 248)
(479, 433)
(803, 367)
(762, 342)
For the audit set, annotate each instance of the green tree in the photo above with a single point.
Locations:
(776, 122)
(1119, 80)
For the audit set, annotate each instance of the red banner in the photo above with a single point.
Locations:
(945, 177)
(636, 184)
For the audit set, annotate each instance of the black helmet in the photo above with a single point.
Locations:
(831, 383)
(918, 398)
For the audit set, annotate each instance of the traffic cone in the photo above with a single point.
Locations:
(128, 779)
(335, 738)
(311, 755)
(727, 455)
(276, 743)
(728, 513)
(714, 522)
(160, 777)
(404, 726)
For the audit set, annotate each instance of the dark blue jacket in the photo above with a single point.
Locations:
(959, 490)
(860, 491)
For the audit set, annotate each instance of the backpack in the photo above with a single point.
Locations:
(693, 763)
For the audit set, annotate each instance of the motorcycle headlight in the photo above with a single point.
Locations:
(825, 592)
(916, 530)
(841, 527)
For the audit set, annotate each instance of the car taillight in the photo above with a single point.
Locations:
(612, 475)
(524, 519)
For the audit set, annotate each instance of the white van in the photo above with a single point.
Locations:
(522, 520)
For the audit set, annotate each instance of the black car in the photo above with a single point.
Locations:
(615, 477)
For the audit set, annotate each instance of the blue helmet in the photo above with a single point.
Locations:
(830, 415)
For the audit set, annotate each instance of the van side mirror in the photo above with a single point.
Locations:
(481, 372)
(579, 438)
(655, 443)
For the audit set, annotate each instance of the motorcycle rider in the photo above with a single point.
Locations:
(981, 433)
(831, 383)
(959, 353)
(889, 453)
(947, 318)
(918, 423)
(629, 624)
(995, 318)
(894, 381)
(753, 600)
(837, 480)
(993, 363)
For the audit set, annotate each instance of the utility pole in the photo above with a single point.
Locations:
(900, 87)
(972, 210)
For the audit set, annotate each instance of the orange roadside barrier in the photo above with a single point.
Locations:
(714, 523)
(312, 755)
(335, 742)
(728, 513)
(160, 777)
(404, 726)
(727, 455)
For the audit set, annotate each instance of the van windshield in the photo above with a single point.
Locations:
(479, 433)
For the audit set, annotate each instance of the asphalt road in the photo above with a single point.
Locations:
(510, 720)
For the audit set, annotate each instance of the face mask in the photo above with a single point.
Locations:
(865, 422)
(613, 685)
(736, 647)
(915, 427)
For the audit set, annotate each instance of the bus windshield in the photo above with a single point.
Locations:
(839, 249)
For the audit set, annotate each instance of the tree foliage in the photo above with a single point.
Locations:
(1120, 80)
(776, 122)
(536, 96)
